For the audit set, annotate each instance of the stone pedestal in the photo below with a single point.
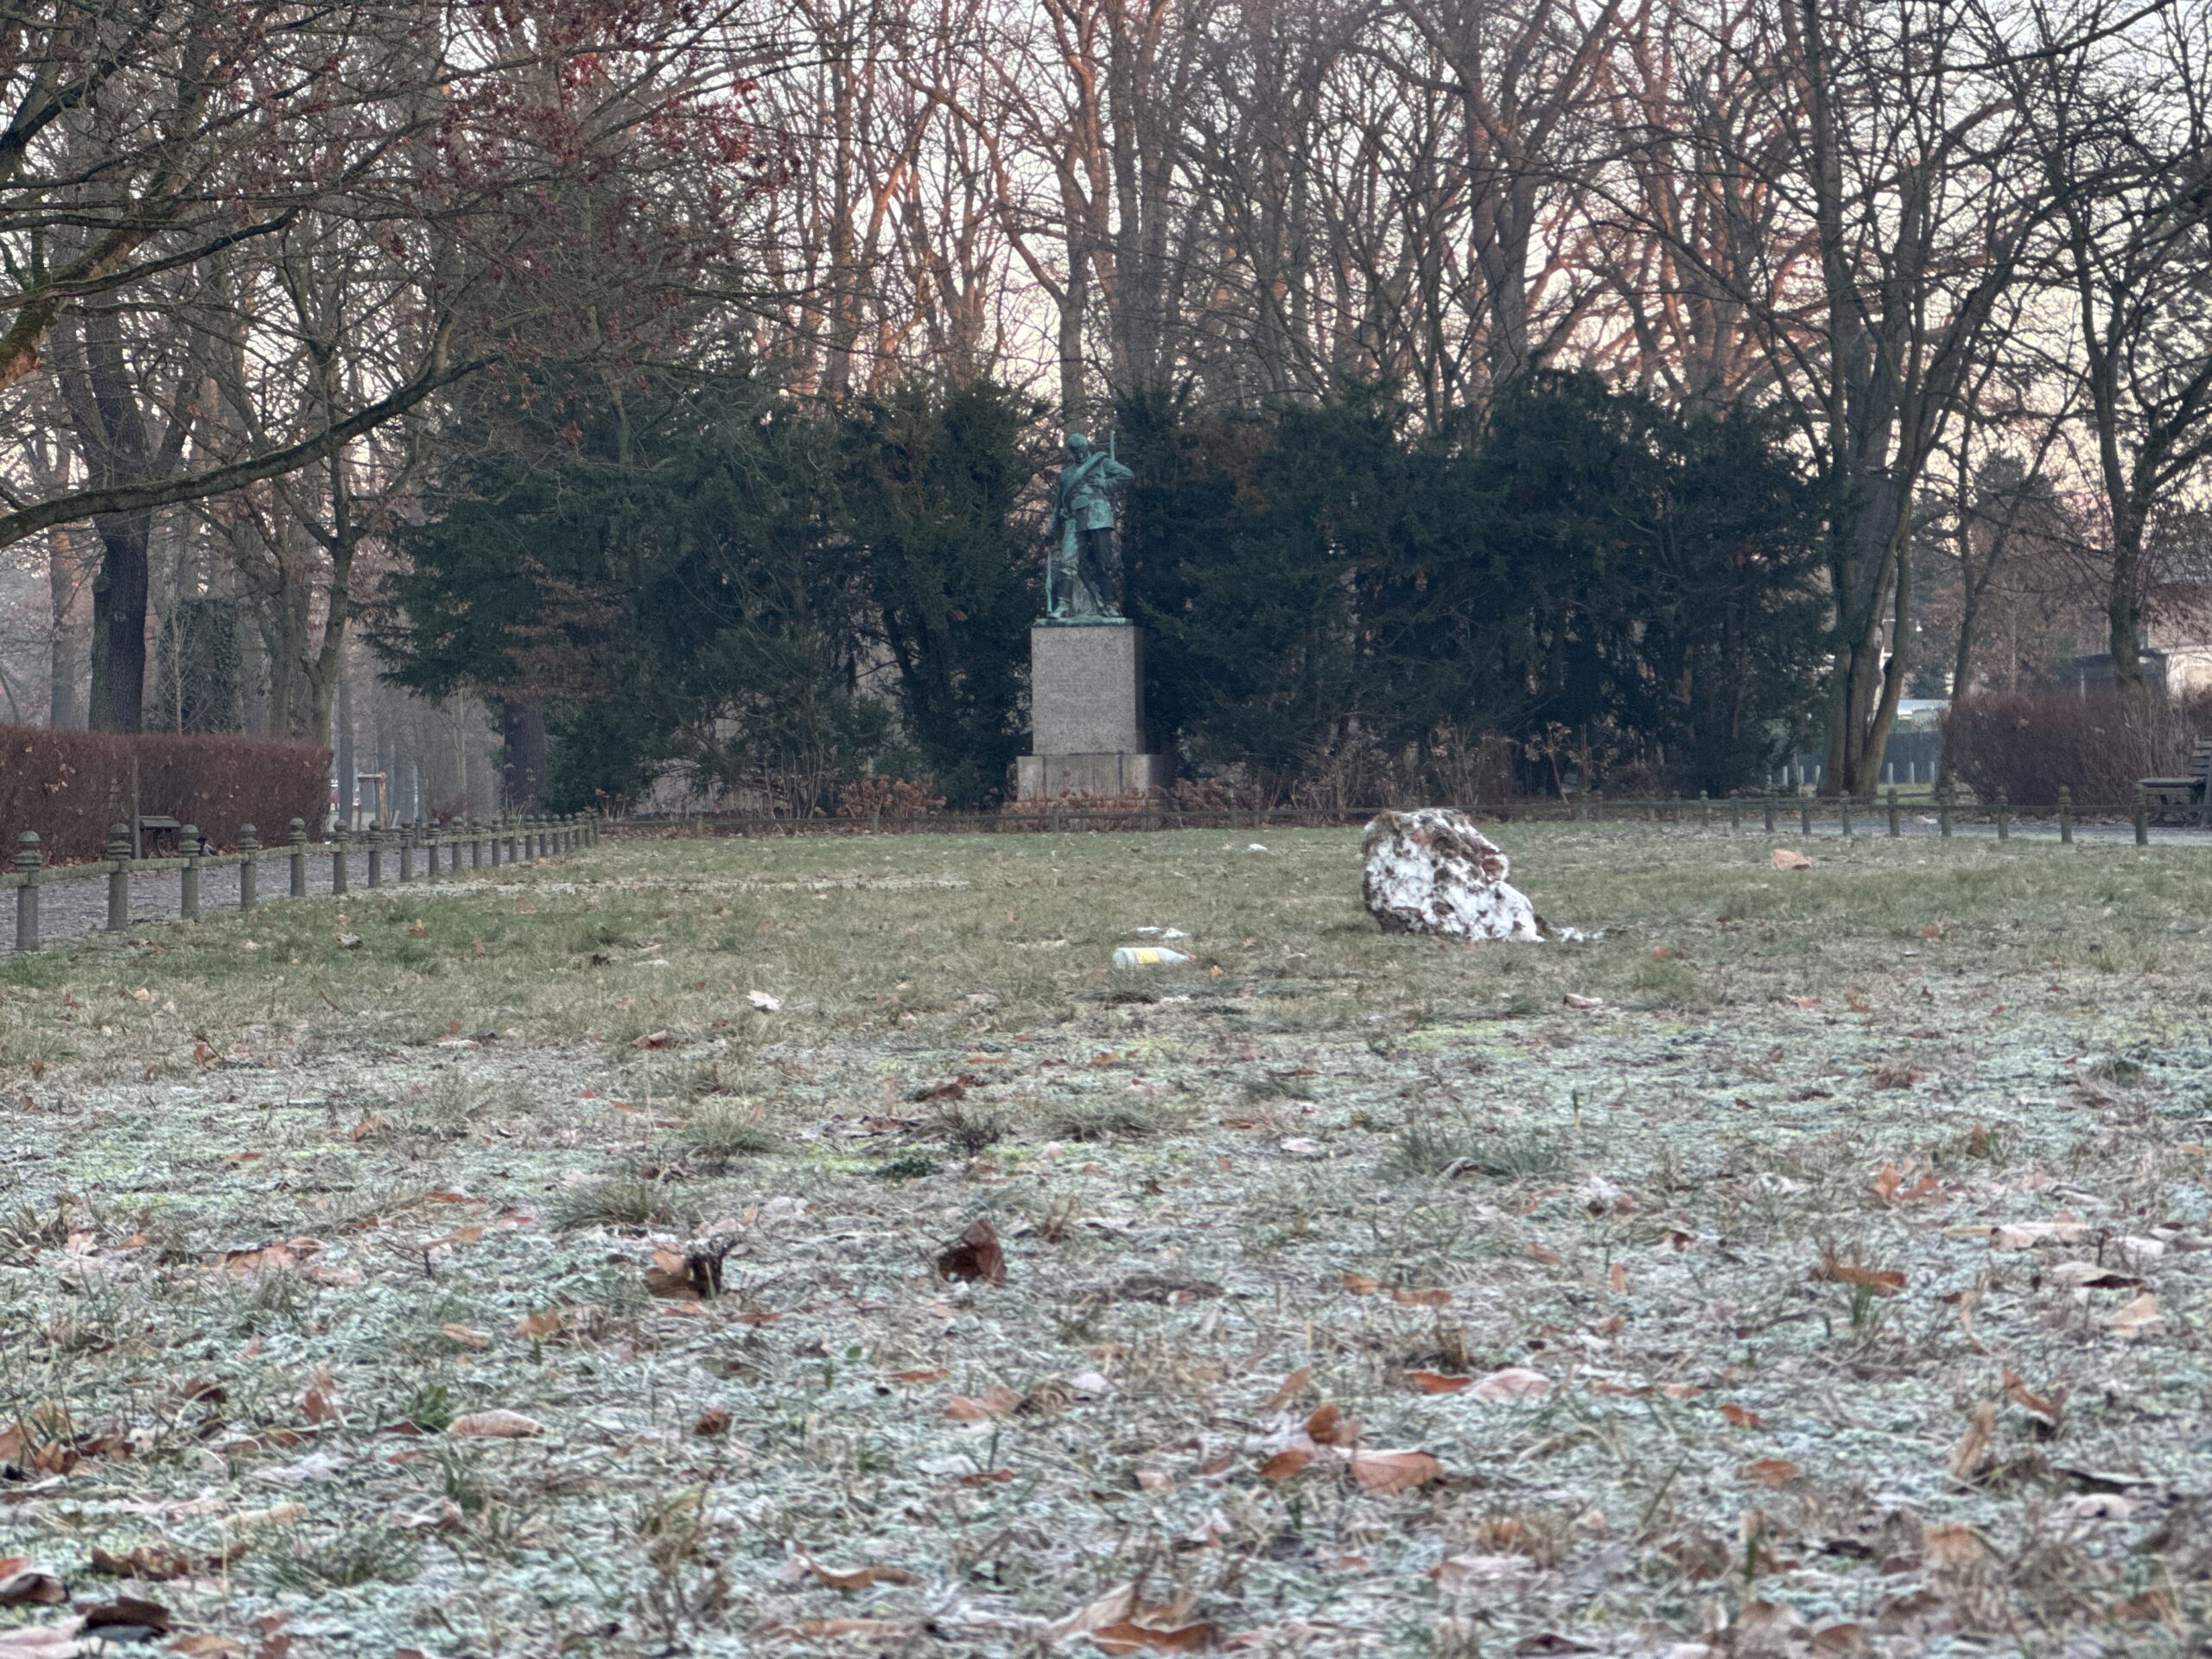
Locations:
(1086, 714)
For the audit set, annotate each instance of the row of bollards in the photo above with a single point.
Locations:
(511, 841)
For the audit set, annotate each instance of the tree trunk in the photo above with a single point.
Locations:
(522, 731)
(119, 699)
(2124, 603)
(345, 744)
(62, 573)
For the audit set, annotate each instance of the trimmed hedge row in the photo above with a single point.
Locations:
(70, 786)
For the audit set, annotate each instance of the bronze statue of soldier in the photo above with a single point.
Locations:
(1082, 570)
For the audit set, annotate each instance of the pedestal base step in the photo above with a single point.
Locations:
(1110, 776)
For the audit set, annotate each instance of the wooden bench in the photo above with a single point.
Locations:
(2187, 798)
(156, 827)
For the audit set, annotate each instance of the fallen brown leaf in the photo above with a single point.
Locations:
(1389, 1472)
(2028, 1400)
(2140, 1317)
(22, 1585)
(975, 1255)
(1132, 1638)
(998, 1401)
(1967, 1457)
(498, 1424)
(1784, 859)
(1438, 1382)
(1420, 1298)
(1768, 1471)
(1514, 1382)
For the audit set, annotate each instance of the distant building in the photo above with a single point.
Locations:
(2177, 651)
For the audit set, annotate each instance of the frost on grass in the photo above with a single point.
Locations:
(1827, 1282)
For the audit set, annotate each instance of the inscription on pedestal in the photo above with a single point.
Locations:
(1086, 715)
(1086, 690)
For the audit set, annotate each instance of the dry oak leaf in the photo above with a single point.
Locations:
(1953, 1546)
(1130, 1637)
(22, 1585)
(859, 1577)
(1388, 1472)
(2028, 1400)
(1514, 1382)
(1886, 1281)
(42, 1641)
(1292, 1386)
(999, 1400)
(1967, 1458)
(2140, 1317)
(1889, 1187)
(1741, 1417)
(1287, 1462)
(974, 1256)
(1784, 859)
(1768, 1472)
(1438, 1382)
(1361, 1284)
(498, 1424)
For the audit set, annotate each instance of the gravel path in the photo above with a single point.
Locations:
(71, 906)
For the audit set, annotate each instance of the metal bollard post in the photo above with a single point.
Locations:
(1769, 804)
(187, 880)
(1895, 827)
(430, 852)
(406, 854)
(1805, 814)
(29, 859)
(296, 834)
(475, 845)
(2142, 819)
(2004, 816)
(1943, 811)
(338, 861)
(376, 856)
(118, 878)
(249, 865)
(1843, 810)
(2065, 816)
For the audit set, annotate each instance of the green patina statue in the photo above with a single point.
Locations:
(1083, 571)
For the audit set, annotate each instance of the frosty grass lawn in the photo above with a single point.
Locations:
(1839, 1285)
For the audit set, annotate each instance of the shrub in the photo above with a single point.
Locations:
(69, 786)
(2096, 744)
(891, 798)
